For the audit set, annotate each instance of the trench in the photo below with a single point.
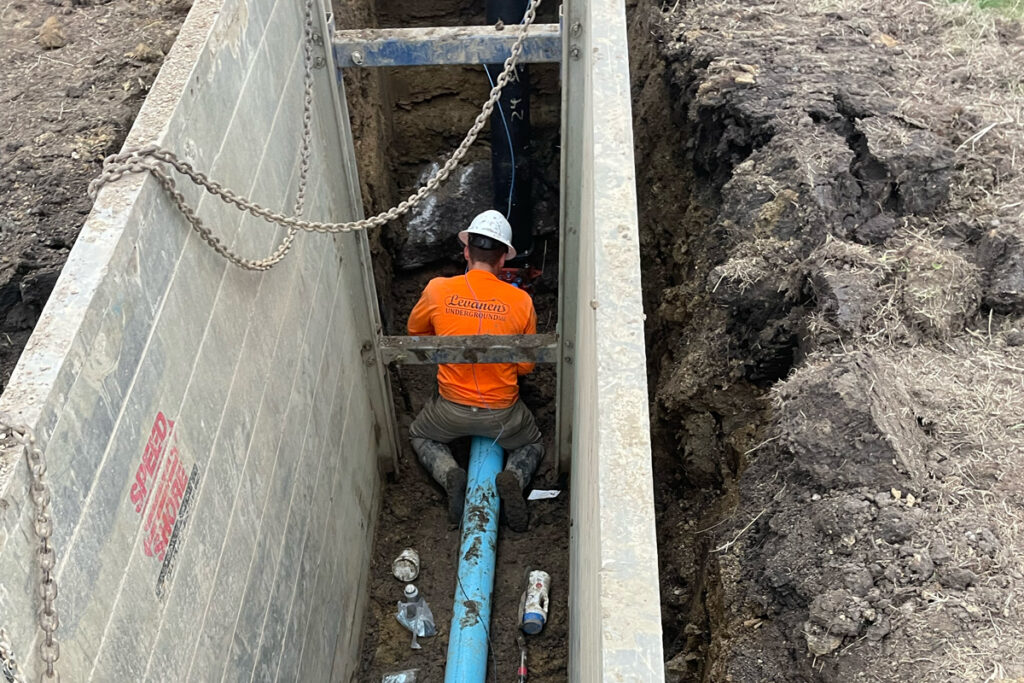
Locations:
(698, 434)
(404, 121)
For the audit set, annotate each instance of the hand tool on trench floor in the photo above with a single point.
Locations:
(520, 636)
(521, 639)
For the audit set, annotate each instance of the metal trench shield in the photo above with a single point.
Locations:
(615, 611)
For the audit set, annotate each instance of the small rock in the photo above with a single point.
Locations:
(987, 542)
(819, 641)
(854, 506)
(838, 612)
(145, 53)
(894, 528)
(879, 39)
(957, 577)
(921, 564)
(400, 509)
(939, 553)
(1001, 256)
(1014, 338)
(21, 316)
(51, 34)
(975, 612)
(878, 630)
(677, 668)
(858, 580)
(875, 230)
(167, 41)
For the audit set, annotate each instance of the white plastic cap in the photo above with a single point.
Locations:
(410, 591)
(491, 224)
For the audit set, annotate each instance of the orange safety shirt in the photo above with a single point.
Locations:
(475, 303)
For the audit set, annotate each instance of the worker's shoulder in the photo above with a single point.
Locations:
(515, 295)
(440, 284)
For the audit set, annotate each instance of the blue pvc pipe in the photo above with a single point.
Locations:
(471, 618)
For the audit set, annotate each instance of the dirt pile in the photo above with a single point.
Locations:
(73, 77)
(832, 237)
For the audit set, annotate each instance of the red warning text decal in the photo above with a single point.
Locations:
(159, 487)
(163, 511)
(151, 458)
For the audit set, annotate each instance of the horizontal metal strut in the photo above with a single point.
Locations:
(444, 45)
(483, 348)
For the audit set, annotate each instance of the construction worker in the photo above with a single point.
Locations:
(478, 399)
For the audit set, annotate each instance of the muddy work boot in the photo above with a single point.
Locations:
(511, 493)
(437, 458)
(512, 481)
(455, 487)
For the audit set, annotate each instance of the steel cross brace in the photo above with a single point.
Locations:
(437, 46)
(483, 348)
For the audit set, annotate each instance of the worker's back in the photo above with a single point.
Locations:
(475, 303)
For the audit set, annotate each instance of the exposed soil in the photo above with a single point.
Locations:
(69, 92)
(832, 236)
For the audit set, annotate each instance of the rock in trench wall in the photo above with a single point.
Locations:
(431, 231)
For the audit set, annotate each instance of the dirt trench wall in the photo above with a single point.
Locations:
(830, 236)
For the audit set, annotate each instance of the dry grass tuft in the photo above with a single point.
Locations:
(972, 395)
(851, 256)
(938, 290)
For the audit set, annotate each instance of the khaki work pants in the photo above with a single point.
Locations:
(444, 421)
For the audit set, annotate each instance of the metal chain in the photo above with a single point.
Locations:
(9, 670)
(152, 157)
(39, 491)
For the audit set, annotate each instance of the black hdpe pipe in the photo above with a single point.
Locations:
(510, 137)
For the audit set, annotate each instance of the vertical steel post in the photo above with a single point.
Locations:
(570, 202)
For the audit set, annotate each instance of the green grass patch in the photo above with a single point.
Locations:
(1012, 8)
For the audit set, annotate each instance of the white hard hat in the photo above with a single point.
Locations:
(491, 224)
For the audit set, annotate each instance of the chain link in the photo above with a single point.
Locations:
(39, 492)
(152, 159)
(10, 672)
